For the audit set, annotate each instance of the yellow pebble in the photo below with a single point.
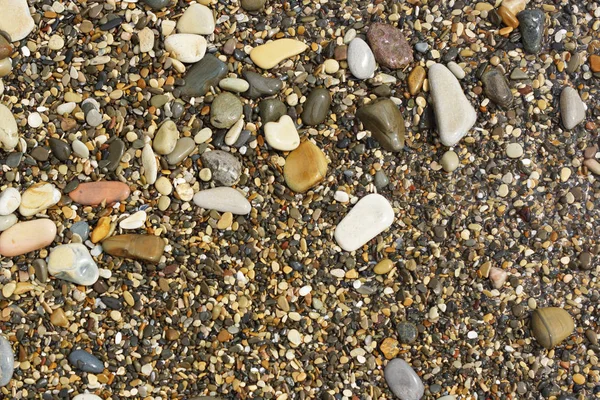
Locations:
(384, 266)
(579, 379)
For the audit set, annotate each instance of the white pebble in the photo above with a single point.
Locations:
(341, 197)
(34, 120)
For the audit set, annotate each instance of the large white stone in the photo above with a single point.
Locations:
(368, 218)
(9, 132)
(150, 165)
(73, 262)
(10, 199)
(572, 108)
(197, 19)
(38, 198)
(134, 221)
(453, 112)
(15, 19)
(361, 59)
(282, 135)
(403, 380)
(223, 199)
(186, 47)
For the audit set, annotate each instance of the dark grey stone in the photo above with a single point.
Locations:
(261, 86)
(381, 180)
(82, 229)
(271, 110)
(316, 107)
(497, 89)
(531, 25)
(60, 149)
(157, 4)
(115, 151)
(84, 361)
(385, 121)
(204, 74)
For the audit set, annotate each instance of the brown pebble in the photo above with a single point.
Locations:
(595, 63)
(416, 79)
(389, 347)
(59, 318)
(508, 18)
(172, 334)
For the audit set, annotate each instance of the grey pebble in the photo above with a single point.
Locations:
(225, 167)
(184, 147)
(85, 361)
(261, 85)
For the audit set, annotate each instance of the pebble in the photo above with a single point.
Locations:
(186, 47)
(38, 198)
(515, 6)
(9, 133)
(268, 55)
(514, 150)
(225, 168)
(316, 107)
(595, 63)
(166, 138)
(134, 221)
(6, 221)
(381, 180)
(27, 236)
(454, 114)
(416, 78)
(531, 24)
(498, 277)
(385, 121)
(157, 4)
(225, 110)
(450, 161)
(253, 5)
(34, 120)
(60, 149)
(497, 89)
(86, 362)
(59, 318)
(331, 66)
(407, 332)
(183, 148)
(458, 72)
(146, 39)
(282, 135)
(370, 216)
(403, 381)
(95, 193)
(261, 86)
(6, 49)
(223, 199)
(384, 266)
(73, 262)
(361, 60)
(203, 75)
(87, 396)
(551, 325)
(234, 85)
(10, 199)
(518, 75)
(15, 19)
(163, 186)
(592, 165)
(389, 46)
(140, 247)
(572, 108)
(7, 361)
(197, 19)
(305, 167)
(234, 132)
(271, 110)
(150, 165)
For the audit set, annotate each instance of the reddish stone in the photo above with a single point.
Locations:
(595, 63)
(340, 53)
(389, 46)
(94, 193)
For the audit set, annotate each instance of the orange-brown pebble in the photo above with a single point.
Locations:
(595, 63)
(101, 230)
(508, 18)
(389, 348)
(94, 193)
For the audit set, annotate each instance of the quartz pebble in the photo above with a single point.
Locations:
(450, 161)
(38, 198)
(361, 60)
(6, 221)
(94, 193)
(514, 150)
(134, 221)
(9, 133)
(223, 199)
(186, 47)
(7, 361)
(282, 135)
(73, 263)
(197, 19)
(27, 236)
(572, 108)
(403, 381)
(10, 199)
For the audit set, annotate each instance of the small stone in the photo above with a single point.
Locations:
(7, 361)
(515, 6)
(141, 247)
(407, 332)
(518, 75)
(271, 110)
(184, 147)
(361, 60)
(203, 75)
(6, 221)
(498, 277)
(166, 139)
(331, 66)
(531, 24)
(172, 335)
(9, 133)
(225, 168)
(390, 348)
(497, 89)
(268, 55)
(253, 5)
(282, 135)
(225, 221)
(82, 229)
(305, 167)
(316, 107)
(157, 4)
(592, 165)
(233, 134)
(38, 198)
(294, 337)
(146, 39)
(163, 186)
(450, 161)
(261, 86)
(389, 46)
(59, 318)
(34, 120)
(6, 49)
(60, 149)
(150, 165)
(368, 218)
(186, 47)
(381, 180)
(223, 199)
(95, 193)
(197, 19)
(579, 379)
(10, 199)
(508, 18)
(572, 108)
(595, 63)
(458, 72)
(16, 20)
(86, 362)
(225, 110)
(73, 262)
(514, 150)
(384, 266)
(134, 221)
(416, 79)
(234, 85)
(551, 325)
(403, 381)
(384, 120)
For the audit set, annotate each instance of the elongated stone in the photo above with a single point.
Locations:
(115, 152)
(416, 80)
(305, 167)
(316, 107)
(361, 60)
(142, 247)
(497, 89)
(184, 147)
(572, 108)
(94, 193)
(73, 262)
(261, 85)
(84, 361)
(166, 138)
(223, 199)
(6, 221)
(368, 218)
(204, 74)
(27, 236)
(531, 24)
(403, 380)
(384, 120)
(9, 132)
(7, 361)
(268, 55)
(38, 198)
(150, 165)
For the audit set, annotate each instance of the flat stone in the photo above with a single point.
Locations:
(449, 161)
(27, 236)
(384, 120)
(197, 19)
(497, 89)
(454, 114)
(116, 149)
(236, 85)
(9, 133)
(134, 221)
(150, 165)
(268, 55)
(282, 135)
(271, 110)
(6, 221)
(146, 39)
(572, 108)
(73, 262)
(141, 247)
(514, 150)
(166, 138)
(253, 5)
(204, 74)
(403, 381)
(38, 198)
(94, 193)
(226, 169)
(234, 132)
(416, 80)
(592, 165)
(384, 266)
(361, 60)
(184, 147)
(80, 149)
(456, 69)
(531, 25)
(157, 4)
(10, 199)
(186, 47)
(15, 19)
(261, 86)
(86, 362)
(389, 46)
(518, 75)
(305, 167)
(223, 199)
(225, 110)
(7, 361)
(316, 107)
(370, 216)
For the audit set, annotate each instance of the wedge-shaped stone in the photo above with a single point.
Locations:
(141, 247)
(73, 262)
(223, 199)
(384, 120)
(94, 193)
(268, 55)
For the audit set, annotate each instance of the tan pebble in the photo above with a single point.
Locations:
(23, 287)
(101, 230)
(59, 318)
(389, 347)
(225, 221)
(579, 379)
(384, 266)
(9, 289)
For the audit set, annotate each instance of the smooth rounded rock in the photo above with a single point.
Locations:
(449, 161)
(225, 167)
(38, 198)
(7, 361)
(6, 49)
(316, 107)
(94, 193)
(384, 120)
(225, 110)
(27, 236)
(531, 25)
(253, 5)
(514, 150)
(416, 78)
(268, 55)
(305, 167)
(146, 39)
(551, 325)
(204, 74)
(497, 89)
(10, 199)
(271, 110)
(186, 47)
(282, 135)
(86, 362)
(234, 85)
(572, 108)
(166, 138)
(80, 149)
(6, 221)
(197, 19)
(134, 221)
(184, 147)
(73, 262)
(223, 199)
(87, 396)
(370, 216)
(141, 247)
(403, 381)
(150, 164)
(361, 60)
(60, 149)
(157, 4)
(389, 46)
(15, 19)
(384, 266)
(260, 86)
(9, 133)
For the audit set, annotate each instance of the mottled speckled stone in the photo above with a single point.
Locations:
(389, 46)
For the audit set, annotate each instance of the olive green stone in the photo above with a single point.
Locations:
(316, 107)
(225, 110)
(271, 110)
(204, 74)
(384, 120)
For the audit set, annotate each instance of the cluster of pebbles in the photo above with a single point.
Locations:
(334, 200)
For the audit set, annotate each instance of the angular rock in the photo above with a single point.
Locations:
(403, 381)
(453, 112)
(86, 362)
(94, 193)
(27, 236)
(384, 120)
(7, 361)
(271, 110)
(370, 216)
(186, 47)
(204, 74)
(197, 19)
(223, 199)
(146, 39)
(316, 107)
(497, 89)
(389, 46)
(38, 198)
(261, 86)
(73, 262)
(10, 199)
(9, 133)
(15, 19)
(361, 60)
(282, 135)
(305, 167)
(531, 25)
(225, 167)
(498, 277)
(141, 247)
(166, 138)
(268, 55)
(134, 221)
(225, 110)
(572, 108)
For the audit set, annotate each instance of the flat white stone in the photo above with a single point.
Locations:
(15, 19)
(66, 108)
(367, 219)
(197, 19)
(223, 199)
(73, 262)
(6, 221)
(38, 198)
(282, 135)
(87, 396)
(572, 108)
(146, 38)
(10, 199)
(453, 112)
(149, 164)
(80, 149)
(134, 221)
(186, 47)
(234, 132)
(234, 85)
(361, 60)
(34, 120)
(9, 132)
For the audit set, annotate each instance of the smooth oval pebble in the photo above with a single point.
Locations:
(7, 361)
(361, 60)
(10, 199)
(38, 198)
(305, 167)
(142, 247)
(367, 219)
(19, 23)
(572, 108)
(86, 362)
(268, 55)
(166, 138)
(73, 262)
(186, 47)
(6, 221)
(134, 221)
(197, 19)
(384, 266)
(80, 149)
(9, 133)
(27, 236)
(150, 165)
(223, 199)
(94, 193)
(449, 161)
(403, 381)
(234, 85)
(282, 135)
(87, 396)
